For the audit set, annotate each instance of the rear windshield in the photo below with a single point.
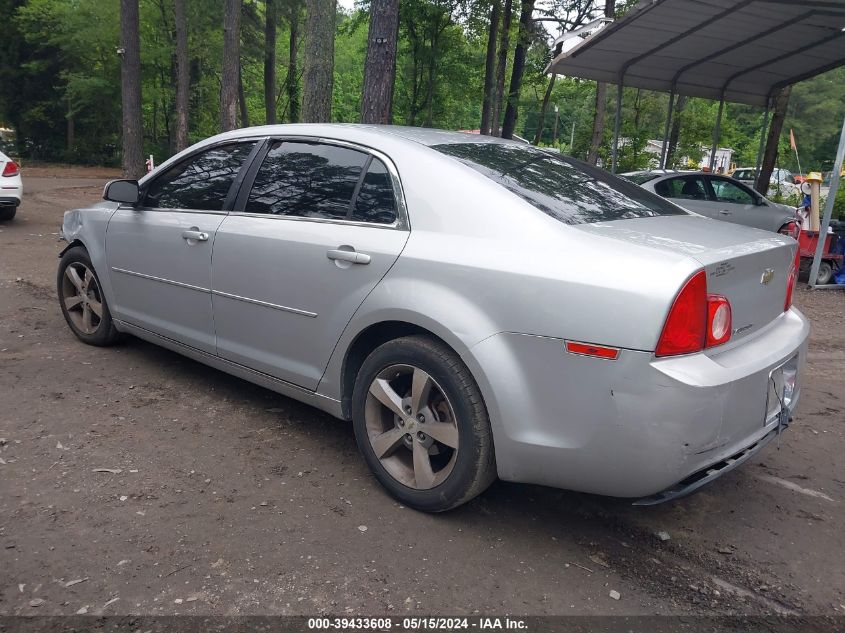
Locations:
(568, 190)
(639, 178)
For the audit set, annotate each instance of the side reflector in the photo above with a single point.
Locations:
(597, 351)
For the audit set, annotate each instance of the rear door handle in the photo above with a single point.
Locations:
(348, 256)
(725, 212)
(199, 236)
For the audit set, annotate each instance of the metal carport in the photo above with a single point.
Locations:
(742, 51)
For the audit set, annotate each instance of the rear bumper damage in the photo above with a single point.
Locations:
(637, 427)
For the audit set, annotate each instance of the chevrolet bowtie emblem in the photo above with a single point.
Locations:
(768, 275)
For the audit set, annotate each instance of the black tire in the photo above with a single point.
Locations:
(104, 333)
(825, 273)
(474, 466)
(7, 213)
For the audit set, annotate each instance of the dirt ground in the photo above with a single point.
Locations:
(226, 498)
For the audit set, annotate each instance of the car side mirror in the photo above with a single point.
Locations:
(123, 191)
(759, 200)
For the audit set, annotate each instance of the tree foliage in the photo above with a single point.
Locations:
(60, 80)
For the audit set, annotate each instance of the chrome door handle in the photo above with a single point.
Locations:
(725, 212)
(348, 256)
(199, 236)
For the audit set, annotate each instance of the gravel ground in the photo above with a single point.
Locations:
(135, 481)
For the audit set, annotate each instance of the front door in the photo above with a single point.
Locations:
(737, 203)
(159, 252)
(315, 233)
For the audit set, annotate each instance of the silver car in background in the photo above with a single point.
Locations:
(439, 290)
(719, 197)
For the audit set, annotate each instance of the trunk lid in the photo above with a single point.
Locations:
(748, 266)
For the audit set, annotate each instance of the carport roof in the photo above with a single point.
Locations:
(742, 50)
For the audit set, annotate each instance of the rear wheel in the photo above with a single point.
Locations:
(825, 273)
(421, 424)
(7, 213)
(83, 304)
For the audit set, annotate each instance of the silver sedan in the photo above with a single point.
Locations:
(476, 307)
(719, 197)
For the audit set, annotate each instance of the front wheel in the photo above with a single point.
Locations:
(82, 300)
(421, 424)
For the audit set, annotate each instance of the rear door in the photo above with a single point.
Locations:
(689, 192)
(316, 227)
(159, 252)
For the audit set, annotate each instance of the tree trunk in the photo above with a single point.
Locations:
(675, 130)
(490, 68)
(770, 155)
(244, 112)
(270, 20)
(183, 76)
(501, 67)
(71, 131)
(598, 123)
(130, 90)
(519, 54)
(380, 65)
(231, 65)
(292, 80)
(318, 71)
(543, 109)
(601, 92)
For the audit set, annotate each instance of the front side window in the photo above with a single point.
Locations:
(684, 188)
(201, 182)
(306, 180)
(568, 190)
(727, 191)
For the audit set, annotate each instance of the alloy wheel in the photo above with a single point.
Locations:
(82, 298)
(411, 426)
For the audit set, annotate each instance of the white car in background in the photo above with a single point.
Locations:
(11, 187)
(782, 181)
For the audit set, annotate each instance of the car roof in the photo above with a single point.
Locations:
(420, 135)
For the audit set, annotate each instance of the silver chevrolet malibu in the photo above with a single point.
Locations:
(478, 308)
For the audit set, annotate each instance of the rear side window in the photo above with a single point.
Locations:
(568, 190)
(201, 182)
(686, 188)
(376, 201)
(307, 180)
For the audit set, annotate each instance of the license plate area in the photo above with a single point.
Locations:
(782, 389)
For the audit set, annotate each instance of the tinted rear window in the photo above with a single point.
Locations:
(568, 190)
(639, 179)
(743, 174)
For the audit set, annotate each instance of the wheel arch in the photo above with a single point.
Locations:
(72, 244)
(367, 340)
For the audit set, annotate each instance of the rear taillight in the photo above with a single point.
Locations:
(696, 320)
(791, 229)
(791, 276)
(11, 169)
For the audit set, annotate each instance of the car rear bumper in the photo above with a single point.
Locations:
(9, 201)
(636, 426)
